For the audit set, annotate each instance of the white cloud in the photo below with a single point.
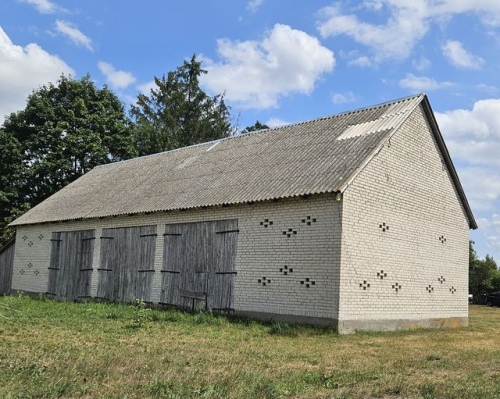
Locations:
(256, 74)
(362, 61)
(145, 88)
(482, 185)
(344, 98)
(487, 10)
(23, 69)
(253, 5)
(74, 34)
(421, 64)
(43, 6)
(491, 90)
(375, 5)
(422, 83)
(473, 139)
(456, 54)
(275, 122)
(407, 22)
(117, 79)
(394, 40)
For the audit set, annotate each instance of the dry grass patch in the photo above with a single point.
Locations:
(90, 350)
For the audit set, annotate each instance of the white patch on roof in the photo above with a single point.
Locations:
(394, 115)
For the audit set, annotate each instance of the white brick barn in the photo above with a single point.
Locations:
(357, 220)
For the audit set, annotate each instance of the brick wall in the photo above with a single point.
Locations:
(312, 252)
(404, 237)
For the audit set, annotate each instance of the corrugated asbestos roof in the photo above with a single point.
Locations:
(306, 158)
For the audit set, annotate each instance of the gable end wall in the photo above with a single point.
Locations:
(405, 276)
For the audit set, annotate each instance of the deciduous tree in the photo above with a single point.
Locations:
(65, 130)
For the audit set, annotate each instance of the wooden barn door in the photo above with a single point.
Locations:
(199, 265)
(6, 266)
(70, 270)
(221, 280)
(127, 263)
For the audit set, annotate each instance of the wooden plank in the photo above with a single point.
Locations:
(193, 295)
(105, 285)
(6, 268)
(172, 265)
(55, 254)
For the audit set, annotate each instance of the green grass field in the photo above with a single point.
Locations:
(92, 350)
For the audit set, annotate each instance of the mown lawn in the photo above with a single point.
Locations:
(91, 350)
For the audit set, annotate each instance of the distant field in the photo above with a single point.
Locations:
(91, 350)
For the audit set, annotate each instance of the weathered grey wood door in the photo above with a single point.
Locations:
(6, 265)
(199, 263)
(70, 270)
(127, 263)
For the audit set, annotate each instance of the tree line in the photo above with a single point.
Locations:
(484, 276)
(69, 127)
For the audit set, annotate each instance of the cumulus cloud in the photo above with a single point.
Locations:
(74, 34)
(473, 139)
(407, 22)
(23, 69)
(421, 64)
(487, 10)
(275, 122)
(457, 56)
(422, 83)
(491, 228)
(116, 78)
(255, 74)
(405, 27)
(253, 5)
(43, 6)
(344, 98)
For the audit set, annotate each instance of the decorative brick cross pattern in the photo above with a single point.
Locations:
(36, 272)
(308, 220)
(383, 227)
(307, 282)
(442, 239)
(289, 232)
(266, 223)
(396, 287)
(30, 244)
(441, 279)
(21, 271)
(453, 290)
(429, 288)
(25, 237)
(40, 237)
(381, 274)
(264, 281)
(364, 285)
(30, 265)
(285, 270)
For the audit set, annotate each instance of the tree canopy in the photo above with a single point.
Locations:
(65, 130)
(178, 113)
(484, 276)
(256, 126)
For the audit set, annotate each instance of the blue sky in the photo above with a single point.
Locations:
(284, 61)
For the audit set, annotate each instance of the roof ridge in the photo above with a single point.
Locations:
(242, 135)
